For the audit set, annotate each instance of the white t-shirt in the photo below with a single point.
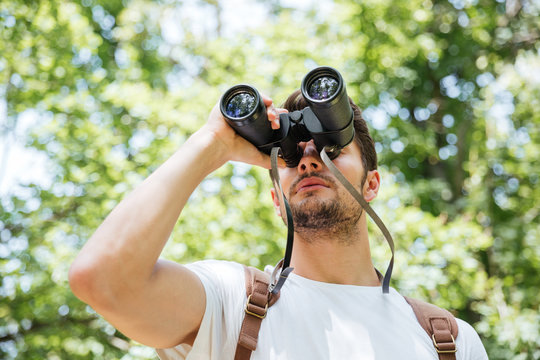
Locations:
(313, 320)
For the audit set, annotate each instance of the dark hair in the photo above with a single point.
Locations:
(296, 101)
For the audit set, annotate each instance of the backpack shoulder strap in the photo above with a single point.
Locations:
(440, 325)
(259, 299)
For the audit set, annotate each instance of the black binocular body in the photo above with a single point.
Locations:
(328, 118)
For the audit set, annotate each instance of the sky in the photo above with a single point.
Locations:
(18, 163)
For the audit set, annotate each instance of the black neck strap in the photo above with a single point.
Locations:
(285, 208)
(352, 190)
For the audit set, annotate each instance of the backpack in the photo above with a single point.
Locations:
(439, 324)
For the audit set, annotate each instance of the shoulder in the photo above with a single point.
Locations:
(218, 273)
(468, 342)
(217, 266)
(224, 286)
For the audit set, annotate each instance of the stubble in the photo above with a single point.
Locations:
(336, 217)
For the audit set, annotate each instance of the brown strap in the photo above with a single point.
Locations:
(259, 299)
(440, 325)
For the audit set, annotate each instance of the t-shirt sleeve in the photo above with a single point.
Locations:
(224, 286)
(468, 343)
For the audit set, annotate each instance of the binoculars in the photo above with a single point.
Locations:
(328, 118)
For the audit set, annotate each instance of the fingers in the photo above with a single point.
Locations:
(273, 117)
(266, 100)
(272, 112)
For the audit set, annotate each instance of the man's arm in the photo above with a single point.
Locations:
(156, 302)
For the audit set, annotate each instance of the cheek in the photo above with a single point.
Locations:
(286, 177)
(350, 169)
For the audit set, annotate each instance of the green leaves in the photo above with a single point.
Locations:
(111, 89)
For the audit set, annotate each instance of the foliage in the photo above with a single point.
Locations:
(109, 89)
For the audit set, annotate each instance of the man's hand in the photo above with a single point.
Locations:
(232, 145)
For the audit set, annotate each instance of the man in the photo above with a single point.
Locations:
(331, 307)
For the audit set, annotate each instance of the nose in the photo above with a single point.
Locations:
(310, 160)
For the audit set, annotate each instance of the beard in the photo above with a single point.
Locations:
(336, 217)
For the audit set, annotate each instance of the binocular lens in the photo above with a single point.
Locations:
(323, 88)
(243, 109)
(328, 118)
(240, 105)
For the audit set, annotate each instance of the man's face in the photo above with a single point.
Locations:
(318, 200)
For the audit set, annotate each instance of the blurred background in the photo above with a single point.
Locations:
(94, 95)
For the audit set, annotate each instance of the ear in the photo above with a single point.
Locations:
(275, 199)
(371, 186)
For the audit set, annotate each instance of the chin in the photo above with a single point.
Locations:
(310, 202)
(315, 193)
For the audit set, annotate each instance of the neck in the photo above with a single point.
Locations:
(335, 258)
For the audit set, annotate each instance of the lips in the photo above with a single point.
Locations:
(311, 183)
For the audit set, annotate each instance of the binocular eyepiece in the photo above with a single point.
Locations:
(328, 118)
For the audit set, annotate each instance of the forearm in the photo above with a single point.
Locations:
(128, 243)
